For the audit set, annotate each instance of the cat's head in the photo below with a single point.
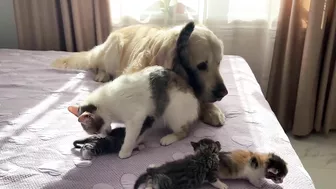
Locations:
(276, 168)
(87, 115)
(206, 145)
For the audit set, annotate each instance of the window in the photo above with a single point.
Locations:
(168, 12)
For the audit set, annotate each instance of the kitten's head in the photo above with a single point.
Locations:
(206, 145)
(276, 168)
(87, 115)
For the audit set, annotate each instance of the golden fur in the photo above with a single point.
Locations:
(122, 53)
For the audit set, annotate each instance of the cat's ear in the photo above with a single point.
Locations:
(273, 171)
(85, 117)
(195, 145)
(74, 110)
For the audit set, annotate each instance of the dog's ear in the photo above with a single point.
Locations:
(74, 110)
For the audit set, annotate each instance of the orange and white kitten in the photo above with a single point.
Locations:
(253, 166)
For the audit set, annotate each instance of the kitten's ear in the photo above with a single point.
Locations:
(74, 110)
(219, 145)
(254, 162)
(273, 171)
(195, 145)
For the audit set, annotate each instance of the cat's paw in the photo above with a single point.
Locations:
(86, 151)
(124, 154)
(169, 139)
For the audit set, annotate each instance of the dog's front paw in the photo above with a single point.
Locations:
(102, 76)
(212, 115)
(124, 154)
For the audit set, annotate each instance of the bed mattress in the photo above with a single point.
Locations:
(36, 130)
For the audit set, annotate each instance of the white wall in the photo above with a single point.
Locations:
(8, 35)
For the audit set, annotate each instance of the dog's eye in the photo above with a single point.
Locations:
(202, 66)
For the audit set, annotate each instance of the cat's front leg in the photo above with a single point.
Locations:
(132, 133)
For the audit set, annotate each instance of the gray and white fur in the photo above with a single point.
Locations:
(132, 98)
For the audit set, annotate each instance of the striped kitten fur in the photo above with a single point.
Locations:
(189, 172)
(253, 166)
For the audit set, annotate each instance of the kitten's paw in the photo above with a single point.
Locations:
(168, 139)
(151, 166)
(222, 185)
(124, 154)
(256, 182)
(219, 184)
(86, 151)
(102, 76)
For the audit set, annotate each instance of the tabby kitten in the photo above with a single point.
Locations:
(189, 172)
(99, 145)
(254, 166)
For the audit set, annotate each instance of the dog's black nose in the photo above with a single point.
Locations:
(220, 91)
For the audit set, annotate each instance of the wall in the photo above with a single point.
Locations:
(8, 35)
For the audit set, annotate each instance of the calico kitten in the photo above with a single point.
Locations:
(254, 166)
(131, 98)
(189, 172)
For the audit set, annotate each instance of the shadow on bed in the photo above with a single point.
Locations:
(97, 177)
(35, 91)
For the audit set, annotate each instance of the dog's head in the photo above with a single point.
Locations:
(205, 54)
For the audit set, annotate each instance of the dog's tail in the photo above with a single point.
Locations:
(79, 60)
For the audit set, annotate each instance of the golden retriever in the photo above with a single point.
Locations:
(120, 54)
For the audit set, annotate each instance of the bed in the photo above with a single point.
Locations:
(36, 131)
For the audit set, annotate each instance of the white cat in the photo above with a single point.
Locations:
(139, 98)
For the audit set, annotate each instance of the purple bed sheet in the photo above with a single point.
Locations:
(36, 131)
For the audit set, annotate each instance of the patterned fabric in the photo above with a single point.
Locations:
(36, 130)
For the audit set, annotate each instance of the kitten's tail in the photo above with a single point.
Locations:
(162, 181)
(80, 141)
(142, 179)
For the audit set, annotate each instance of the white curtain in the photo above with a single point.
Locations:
(246, 27)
